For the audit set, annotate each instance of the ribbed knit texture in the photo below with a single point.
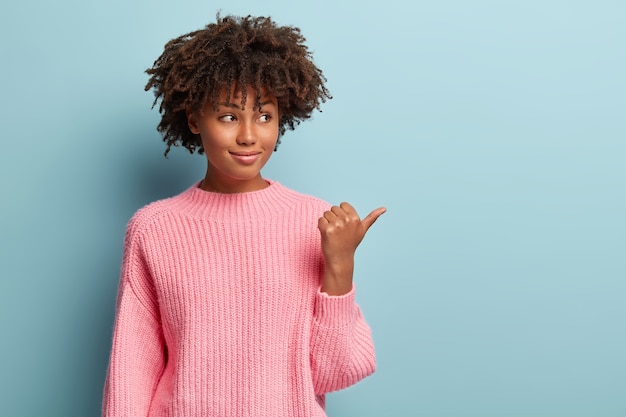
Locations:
(219, 312)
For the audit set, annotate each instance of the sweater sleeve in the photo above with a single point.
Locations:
(342, 350)
(138, 351)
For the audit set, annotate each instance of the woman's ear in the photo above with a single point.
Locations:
(192, 122)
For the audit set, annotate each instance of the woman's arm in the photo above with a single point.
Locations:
(342, 350)
(138, 350)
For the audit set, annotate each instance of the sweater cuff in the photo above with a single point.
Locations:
(335, 310)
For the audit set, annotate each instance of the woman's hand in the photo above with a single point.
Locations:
(342, 230)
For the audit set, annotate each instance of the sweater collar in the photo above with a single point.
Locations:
(268, 202)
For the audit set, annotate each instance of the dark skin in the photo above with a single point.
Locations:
(342, 231)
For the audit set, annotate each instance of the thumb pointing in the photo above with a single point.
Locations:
(369, 220)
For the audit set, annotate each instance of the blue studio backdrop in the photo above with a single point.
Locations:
(493, 131)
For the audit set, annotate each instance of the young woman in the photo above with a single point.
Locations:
(236, 296)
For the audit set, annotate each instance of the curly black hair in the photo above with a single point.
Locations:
(236, 52)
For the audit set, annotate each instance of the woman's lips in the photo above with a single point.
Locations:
(246, 158)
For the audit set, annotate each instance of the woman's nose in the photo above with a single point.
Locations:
(246, 134)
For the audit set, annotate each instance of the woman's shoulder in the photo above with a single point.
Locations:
(155, 212)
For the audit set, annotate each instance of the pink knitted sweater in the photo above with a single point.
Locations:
(219, 311)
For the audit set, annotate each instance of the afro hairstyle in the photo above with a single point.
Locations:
(234, 53)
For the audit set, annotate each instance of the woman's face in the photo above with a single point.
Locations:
(237, 142)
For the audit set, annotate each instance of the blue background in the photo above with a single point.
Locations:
(493, 131)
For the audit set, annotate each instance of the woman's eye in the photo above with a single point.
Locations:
(265, 118)
(227, 118)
